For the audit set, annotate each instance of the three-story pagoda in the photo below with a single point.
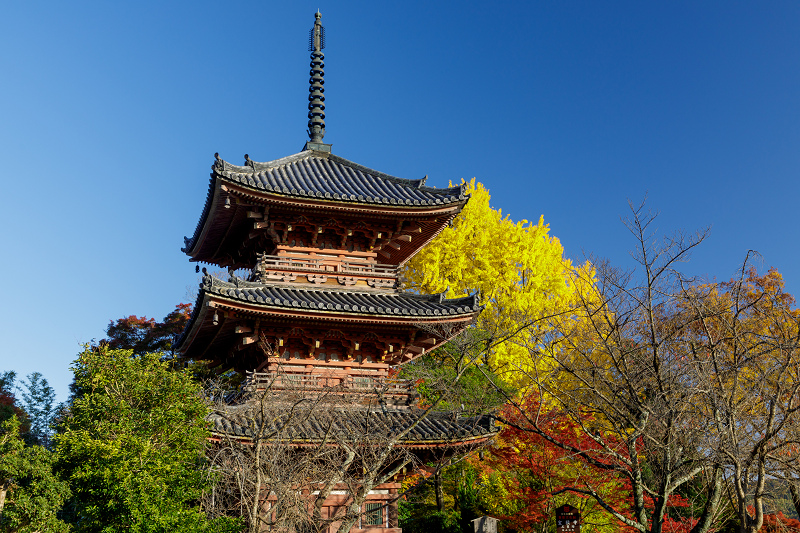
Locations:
(321, 240)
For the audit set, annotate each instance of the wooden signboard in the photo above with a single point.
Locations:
(568, 520)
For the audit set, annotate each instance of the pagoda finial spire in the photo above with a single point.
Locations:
(316, 97)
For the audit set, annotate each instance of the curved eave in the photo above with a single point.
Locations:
(411, 427)
(209, 299)
(348, 301)
(215, 197)
(230, 182)
(192, 328)
(216, 301)
(324, 175)
(413, 443)
(207, 303)
(218, 221)
(325, 204)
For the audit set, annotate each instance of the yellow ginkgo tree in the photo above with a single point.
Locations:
(519, 269)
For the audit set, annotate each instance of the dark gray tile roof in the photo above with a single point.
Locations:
(357, 423)
(318, 175)
(330, 301)
(326, 177)
(340, 301)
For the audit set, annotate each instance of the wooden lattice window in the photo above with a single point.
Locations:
(374, 514)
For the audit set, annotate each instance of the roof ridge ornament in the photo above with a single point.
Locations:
(316, 96)
(219, 164)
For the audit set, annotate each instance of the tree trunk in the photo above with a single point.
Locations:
(3, 492)
(712, 503)
(795, 497)
(350, 520)
(255, 510)
(792, 488)
(437, 485)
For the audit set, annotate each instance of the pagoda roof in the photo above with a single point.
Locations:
(322, 175)
(322, 179)
(341, 300)
(337, 304)
(435, 428)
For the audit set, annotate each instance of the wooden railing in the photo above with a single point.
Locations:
(326, 265)
(352, 384)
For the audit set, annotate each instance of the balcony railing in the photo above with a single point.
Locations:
(327, 265)
(317, 382)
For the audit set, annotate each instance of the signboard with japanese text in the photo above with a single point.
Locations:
(568, 519)
(485, 524)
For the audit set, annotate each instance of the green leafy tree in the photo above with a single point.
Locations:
(30, 494)
(447, 502)
(455, 379)
(132, 446)
(7, 379)
(38, 401)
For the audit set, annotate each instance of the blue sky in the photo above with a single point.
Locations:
(112, 112)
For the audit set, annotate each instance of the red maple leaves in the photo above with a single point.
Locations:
(145, 335)
(561, 461)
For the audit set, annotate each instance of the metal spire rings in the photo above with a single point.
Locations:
(316, 97)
